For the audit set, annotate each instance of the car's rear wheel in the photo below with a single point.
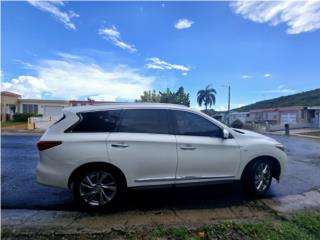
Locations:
(258, 177)
(97, 189)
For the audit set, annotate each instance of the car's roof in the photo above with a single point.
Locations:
(107, 106)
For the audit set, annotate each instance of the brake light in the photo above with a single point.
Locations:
(43, 145)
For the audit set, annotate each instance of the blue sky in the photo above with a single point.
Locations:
(116, 50)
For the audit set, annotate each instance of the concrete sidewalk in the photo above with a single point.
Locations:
(19, 223)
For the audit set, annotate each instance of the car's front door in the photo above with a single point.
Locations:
(143, 148)
(203, 154)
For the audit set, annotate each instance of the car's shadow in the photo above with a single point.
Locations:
(199, 197)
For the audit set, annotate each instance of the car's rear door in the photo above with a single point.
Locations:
(143, 148)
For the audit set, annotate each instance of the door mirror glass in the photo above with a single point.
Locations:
(225, 134)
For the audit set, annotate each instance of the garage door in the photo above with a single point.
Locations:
(289, 118)
(53, 111)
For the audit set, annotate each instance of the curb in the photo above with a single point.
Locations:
(38, 222)
(27, 223)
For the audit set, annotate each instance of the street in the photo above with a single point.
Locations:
(21, 191)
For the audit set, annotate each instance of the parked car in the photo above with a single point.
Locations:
(100, 151)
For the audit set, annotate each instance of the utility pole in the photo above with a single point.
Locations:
(228, 105)
(228, 113)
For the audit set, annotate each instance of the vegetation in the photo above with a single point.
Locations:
(178, 97)
(312, 134)
(11, 124)
(308, 98)
(206, 97)
(237, 124)
(302, 226)
(23, 117)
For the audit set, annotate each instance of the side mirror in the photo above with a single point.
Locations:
(225, 134)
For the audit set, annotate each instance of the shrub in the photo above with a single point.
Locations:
(23, 117)
(237, 124)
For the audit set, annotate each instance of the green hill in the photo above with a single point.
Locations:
(308, 98)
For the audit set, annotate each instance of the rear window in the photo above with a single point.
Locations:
(99, 121)
(144, 121)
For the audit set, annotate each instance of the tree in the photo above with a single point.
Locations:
(182, 97)
(206, 96)
(179, 97)
(167, 97)
(149, 96)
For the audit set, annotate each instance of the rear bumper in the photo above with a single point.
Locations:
(52, 174)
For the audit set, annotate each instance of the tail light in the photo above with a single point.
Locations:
(43, 145)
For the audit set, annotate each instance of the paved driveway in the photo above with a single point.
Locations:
(20, 190)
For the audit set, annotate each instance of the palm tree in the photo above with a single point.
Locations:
(207, 97)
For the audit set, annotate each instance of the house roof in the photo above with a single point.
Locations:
(279, 109)
(88, 101)
(10, 94)
(44, 101)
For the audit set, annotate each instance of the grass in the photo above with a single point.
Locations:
(316, 134)
(11, 124)
(303, 226)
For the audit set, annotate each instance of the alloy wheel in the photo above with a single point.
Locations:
(262, 176)
(98, 188)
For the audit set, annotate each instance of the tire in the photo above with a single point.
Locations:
(98, 188)
(258, 177)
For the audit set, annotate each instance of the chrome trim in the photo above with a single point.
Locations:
(155, 179)
(181, 178)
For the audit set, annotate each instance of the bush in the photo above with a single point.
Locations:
(237, 124)
(23, 117)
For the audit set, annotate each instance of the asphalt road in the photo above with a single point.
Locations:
(21, 191)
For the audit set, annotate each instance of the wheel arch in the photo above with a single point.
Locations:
(275, 164)
(104, 165)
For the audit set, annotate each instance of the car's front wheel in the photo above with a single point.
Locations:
(97, 189)
(258, 177)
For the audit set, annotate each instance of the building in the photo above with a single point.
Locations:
(12, 103)
(86, 102)
(9, 103)
(282, 115)
(314, 113)
(295, 116)
(242, 116)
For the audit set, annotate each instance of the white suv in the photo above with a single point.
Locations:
(99, 151)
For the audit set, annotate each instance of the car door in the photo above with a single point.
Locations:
(203, 154)
(143, 148)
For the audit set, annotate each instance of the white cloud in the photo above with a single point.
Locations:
(267, 75)
(300, 16)
(184, 74)
(114, 36)
(53, 7)
(246, 76)
(157, 63)
(183, 23)
(281, 89)
(28, 86)
(69, 56)
(74, 79)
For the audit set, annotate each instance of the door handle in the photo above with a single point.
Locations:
(119, 145)
(187, 147)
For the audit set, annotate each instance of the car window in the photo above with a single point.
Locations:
(99, 121)
(194, 125)
(144, 121)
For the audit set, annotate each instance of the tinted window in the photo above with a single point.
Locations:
(101, 121)
(144, 121)
(195, 125)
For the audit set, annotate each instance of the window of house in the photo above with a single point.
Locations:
(144, 121)
(30, 108)
(194, 125)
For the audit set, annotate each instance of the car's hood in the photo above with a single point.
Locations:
(251, 134)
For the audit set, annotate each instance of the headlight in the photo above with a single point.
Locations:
(280, 146)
